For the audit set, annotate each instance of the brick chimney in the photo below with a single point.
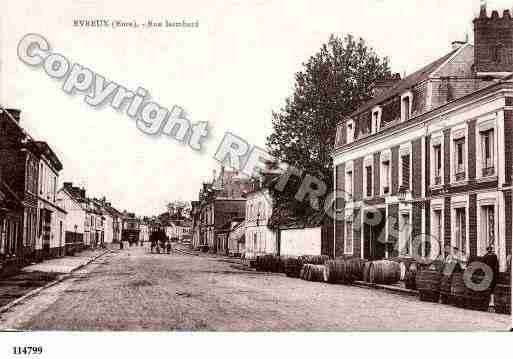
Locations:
(493, 43)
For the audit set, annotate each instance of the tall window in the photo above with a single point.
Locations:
(459, 148)
(350, 132)
(405, 164)
(437, 151)
(437, 222)
(349, 182)
(487, 153)
(405, 234)
(460, 230)
(488, 225)
(368, 175)
(386, 176)
(376, 119)
(348, 245)
(406, 108)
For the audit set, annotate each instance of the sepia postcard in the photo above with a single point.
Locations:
(318, 171)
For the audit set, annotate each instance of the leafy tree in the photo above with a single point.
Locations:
(331, 84)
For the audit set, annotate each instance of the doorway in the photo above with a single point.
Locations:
(374, 234)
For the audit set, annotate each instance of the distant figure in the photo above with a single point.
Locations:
(120, 244)
(491, 260)
(168, 246)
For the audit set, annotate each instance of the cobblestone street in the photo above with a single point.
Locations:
(135, 290)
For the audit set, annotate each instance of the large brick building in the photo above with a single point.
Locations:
(19, 163)
(432, 154)
(220, 201)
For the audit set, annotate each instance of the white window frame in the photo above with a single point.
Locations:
(349, 185)
(404, 150)
(376, 115)
(350, 132)
(458, 202)
(438, 207)
(437, 140)
(386, 156)
(457, 133)
(405, 233)
(368, 162)
(483, 124)
(405, 95)
(346, 227)
(487, 199)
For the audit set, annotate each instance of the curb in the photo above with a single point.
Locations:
(387, 288)
(48, 285)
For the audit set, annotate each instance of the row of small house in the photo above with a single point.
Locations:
(235, 216)
(38, 219)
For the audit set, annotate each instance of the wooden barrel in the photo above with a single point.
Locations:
(384, 272)
(356, 267)
(366, 271)
(292, 267)
(457, 290)
(445, 289)
(340, 271)
(313, 272)
(428, 284)
(477, 300)
(309, 259)
(410, 279)
(502, 294)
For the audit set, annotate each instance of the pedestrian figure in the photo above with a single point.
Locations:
(168, 246)
(491, 260)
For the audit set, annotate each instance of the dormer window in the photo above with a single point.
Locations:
(350, 131)
(376, 120)
(406, 106)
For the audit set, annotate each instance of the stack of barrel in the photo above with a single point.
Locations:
(381, 272)
(464, 290)
(502, 293)
(344, 271)
(269, 263)
(312, 272)
(428, 282)
(292, 265)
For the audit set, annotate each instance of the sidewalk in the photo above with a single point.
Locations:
(64, 265)
(33, 278)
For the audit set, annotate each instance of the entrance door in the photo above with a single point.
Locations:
(47, 221)
(374, 234)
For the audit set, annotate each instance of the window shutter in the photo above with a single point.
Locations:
(406, 170)
(369, 181)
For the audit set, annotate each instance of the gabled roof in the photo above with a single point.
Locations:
(406, 84)
(48, 152)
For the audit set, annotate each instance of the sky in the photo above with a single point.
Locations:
(232, 71)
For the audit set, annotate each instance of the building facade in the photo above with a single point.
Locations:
(73, 200)
(260, 239)
(50, 240)
(19, 157)
(11, 229)
(429, 159)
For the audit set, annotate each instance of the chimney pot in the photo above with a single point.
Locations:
(507, 14)
(495, 14)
